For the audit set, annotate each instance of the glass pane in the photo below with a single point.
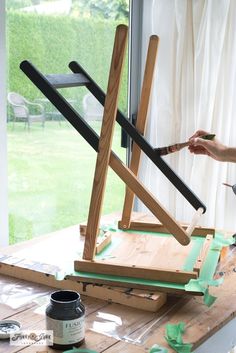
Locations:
(50, 166)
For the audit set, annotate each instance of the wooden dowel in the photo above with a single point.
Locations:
(194, 222)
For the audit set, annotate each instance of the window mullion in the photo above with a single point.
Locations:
(4, 237)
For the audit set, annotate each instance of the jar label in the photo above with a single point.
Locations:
(66, 331)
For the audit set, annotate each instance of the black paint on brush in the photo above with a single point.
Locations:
(163, 151)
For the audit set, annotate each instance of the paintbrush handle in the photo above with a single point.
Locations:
(162, 151)
(226, 184)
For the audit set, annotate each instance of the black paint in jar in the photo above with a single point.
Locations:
(65, 317)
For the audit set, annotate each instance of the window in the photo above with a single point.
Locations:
(50, 166)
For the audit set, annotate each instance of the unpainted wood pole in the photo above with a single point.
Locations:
(140, 126)
(149, 200)
(105, 141)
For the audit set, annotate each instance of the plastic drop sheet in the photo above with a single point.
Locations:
(19, 293)
(131, 325)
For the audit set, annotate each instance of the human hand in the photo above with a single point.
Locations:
(212, 148)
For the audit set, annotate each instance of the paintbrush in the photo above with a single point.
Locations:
(231, 186)
(162, 151)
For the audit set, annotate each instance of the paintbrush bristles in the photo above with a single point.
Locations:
(162, 151)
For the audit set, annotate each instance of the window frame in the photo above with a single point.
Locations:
(4, 231)
(134, 89)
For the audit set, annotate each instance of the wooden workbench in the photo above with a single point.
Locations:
(201, 322)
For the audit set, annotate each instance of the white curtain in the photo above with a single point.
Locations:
(194, 88)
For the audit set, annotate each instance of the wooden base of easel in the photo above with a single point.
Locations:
(35, 261)
(145, 256)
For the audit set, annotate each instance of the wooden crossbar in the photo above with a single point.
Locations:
(160, 228)
(141, 272)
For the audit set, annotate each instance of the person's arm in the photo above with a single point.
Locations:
(230, 155)
(212, 148)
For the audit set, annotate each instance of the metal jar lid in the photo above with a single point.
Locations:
(8, 327)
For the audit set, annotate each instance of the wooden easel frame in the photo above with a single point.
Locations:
(128, 175)
(48, 85)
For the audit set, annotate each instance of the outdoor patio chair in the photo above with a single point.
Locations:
(24, 110)
(93, 110)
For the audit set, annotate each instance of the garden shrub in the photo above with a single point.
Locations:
(51, 42)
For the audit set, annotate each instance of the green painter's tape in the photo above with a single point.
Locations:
(129, 280)
(80, 350)
(60, 276)
(196, 285)
(208, 269)
(207, 273)
(174, 338)
(208, 298)
(199, 286)
(197, 243)
(67, 270)
(219, 241)
(110, 227)
(158, 349)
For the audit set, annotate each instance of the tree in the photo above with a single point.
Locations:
(17, 4)
(113, 9)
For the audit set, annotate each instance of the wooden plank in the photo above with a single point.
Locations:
(160, 228)
(117, 283)
(203, 253)
(105, 141)
(102, 242)
(18, 269)
(154, 300)
(154, 274)
(140, 125)
(148, 250)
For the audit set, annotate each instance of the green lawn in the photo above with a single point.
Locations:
(50, 178)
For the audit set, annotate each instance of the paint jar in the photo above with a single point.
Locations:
(65, 317)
